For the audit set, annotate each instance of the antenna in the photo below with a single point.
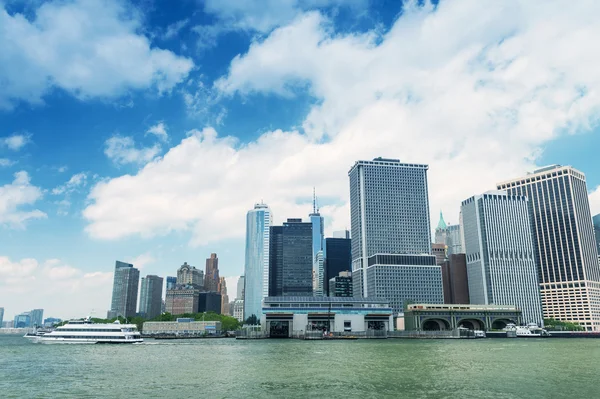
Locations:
(314, 200)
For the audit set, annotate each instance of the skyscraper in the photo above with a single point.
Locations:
(239, 294)
(318, 273)
(151, 296)
(566, 255)
(171, 282)
(391, 236)
(256, 267)
(338, 258)
(290, 259)
(596, 220)
(125, 290)
(189, 275)
(37, 317)
(340, 285)
(224, 297)
(1, 316)
(501, 265)
(441, 231)
(22, 320)
(454, 240)
(211, 277)
(455, 280)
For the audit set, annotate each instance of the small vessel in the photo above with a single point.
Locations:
(36, 333)
(530, 331)
(479, 334)
(86, 332)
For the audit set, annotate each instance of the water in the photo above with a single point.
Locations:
(226, 368)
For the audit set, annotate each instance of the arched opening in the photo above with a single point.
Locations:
(501, 324)
(435, 325)
(472, 324)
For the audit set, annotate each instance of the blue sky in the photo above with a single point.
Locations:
(144, 130)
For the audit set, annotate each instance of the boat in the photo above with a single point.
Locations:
(36, 333)
(86, 332)
(479, 334)
(530, 331)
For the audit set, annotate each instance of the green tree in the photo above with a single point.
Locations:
(558, 325)
(252, 320)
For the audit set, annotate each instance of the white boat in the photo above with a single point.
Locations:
(86, 332)
(530, 331)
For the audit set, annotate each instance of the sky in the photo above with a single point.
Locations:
(144, 130)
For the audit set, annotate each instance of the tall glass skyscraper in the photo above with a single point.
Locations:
(37, 317)
(256, 268)
(389, 207)
(317, 249)
(566, 253)
(500, 255)
(125, 290)
(596, 220)
(151, 296)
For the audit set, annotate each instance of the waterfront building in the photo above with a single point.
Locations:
(211, 277)
(290, 259)
(51, 322)
(151, 296)
(341, 285)
(391, 235)
(209, 302)
(439, 251)
(182, 299)
(255, 283)
(500, 256)
(596, 221)
(240, 287)
(290, 316)
(454, 280)
(441, 231)
(1, 316)
(23, 320)
(8, 324)
(454, 244)
(224, 297)
(182, 326)
(238, 310)
(318, 273)
(338, 258)
(189, 275)
(125, 290)
(566, 255)
(172, 282)
(432, 317)
(37, 317)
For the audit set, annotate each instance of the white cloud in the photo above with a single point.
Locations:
(62, 169)
(122, 150)
(16, 195)
(76, 181)
(89, 48)
(595, 201)
(476, 106)
(174, 29)
(142, 260)
(4, 162)
(159, 130)
(28, 284)
(16, 141)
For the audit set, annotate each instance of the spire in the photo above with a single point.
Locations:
(314, 200)
(441, 224)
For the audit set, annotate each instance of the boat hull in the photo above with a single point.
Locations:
(88, 341)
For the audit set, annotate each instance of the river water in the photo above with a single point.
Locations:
(229, 368)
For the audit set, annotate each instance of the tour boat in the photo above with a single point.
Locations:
(530, 331)
(86, 332)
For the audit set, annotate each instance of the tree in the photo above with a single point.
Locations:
(557, 325)
(252, 320)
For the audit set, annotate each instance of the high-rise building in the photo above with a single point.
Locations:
(172, 282)
(256, 268)
(23, 320)
(37, 317)
(341, 234)
(239, 294)
(318, 272)
(340, 285)
(290, 259)
(501, 264)
(151, 296)
(454, 243)
(441, 231)
(563, 235)
(439, 251)
(211, 277)
(125, 290)
(1, 316)
(391, 235)
(224, 297)
(596, 220)
(238, 310)
(182, 299)
(338, 258)
(209, 302)
(455, 280)
(189, 275)
(51, 322)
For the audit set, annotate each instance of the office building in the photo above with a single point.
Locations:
(240, 287)
(290, 259)
(211, 277)
(391, 236)
(454, 243)
(37, 317)
(340, 285)
(8, 324)
(181, 327)
(454, 280)
(189, 275)
(1, 316)
(183, 299)
(22, 320)
(151, 296)
(224, 296)
(209, 302)
(125, 290)
(255, 285)
(338, 258)
(51, 322)
(501, 266)
(441, 231)
(566, 254)
(439, 251)
(172, 282)
(238, 310)
(596, 221)
(318, 273)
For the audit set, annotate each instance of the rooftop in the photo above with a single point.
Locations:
(323, 299)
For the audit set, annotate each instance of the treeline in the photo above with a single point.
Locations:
(557, 325)
(228, 323)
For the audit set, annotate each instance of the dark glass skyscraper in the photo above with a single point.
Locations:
(125, 290)
(151, 296)
(171, 282)
(211, 277)
(597, 231)
(338, 258)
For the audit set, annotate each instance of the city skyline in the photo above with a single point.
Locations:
(153, 154)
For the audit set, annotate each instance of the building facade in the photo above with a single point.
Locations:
(151, 296)
(22, 320)
(338, 258)
(318, 273)
(454, 280)
(341, 285)
(224, 296)
(441, 231)
(125, 290)
(37, 317)
(255, 282)
(189, 275)
(238, 310)
(566, 254)
(435, 317)
(240, 288)
(501, 264)
(211, 277)
(171, 282)
(389, 208)
(596, 220)
(454, 244)
(439, 251)
(182, 299)
(183, 327)
(210, 302)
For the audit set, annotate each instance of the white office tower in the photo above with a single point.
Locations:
(391, 233)
(567, 258)
(256, 269)
(317, 248)
(501, 266)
